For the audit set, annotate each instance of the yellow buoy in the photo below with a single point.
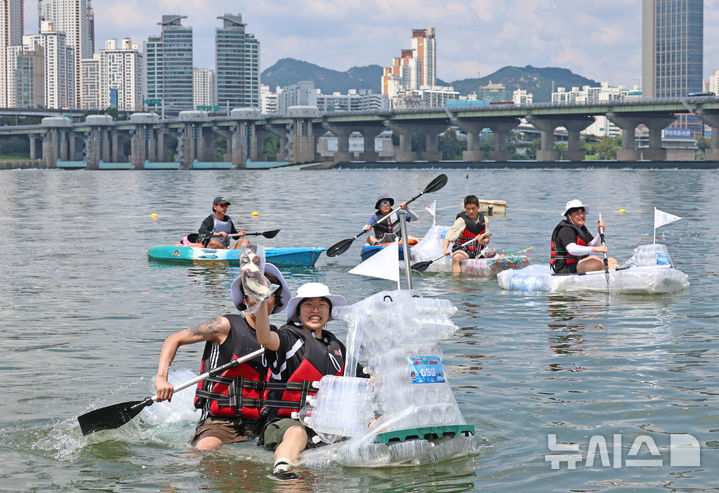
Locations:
(622, 211)
(255, 214)
(154, 214)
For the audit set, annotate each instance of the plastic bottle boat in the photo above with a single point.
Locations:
(649, 271)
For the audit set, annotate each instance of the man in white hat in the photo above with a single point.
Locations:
(226, 337)
(300, 352)
(572, 243)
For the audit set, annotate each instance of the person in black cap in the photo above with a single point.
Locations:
(387, 229)
(217, 227)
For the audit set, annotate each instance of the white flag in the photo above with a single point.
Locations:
(661, 218)
(431, 208)
(383, 264)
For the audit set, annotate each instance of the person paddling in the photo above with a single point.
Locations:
(300, 352)
(226, 337)
(218, 226)
(386, 230)
(469, 224)
(572, 243)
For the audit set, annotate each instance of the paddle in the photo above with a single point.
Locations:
(422, 266)
(606, 261)
(197, 238)
(111, 417)
(342, 246)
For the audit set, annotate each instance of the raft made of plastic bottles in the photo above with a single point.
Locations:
(649, 271)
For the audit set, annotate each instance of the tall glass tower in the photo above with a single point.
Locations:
(237, 64)
(168, 70)
(672, 47)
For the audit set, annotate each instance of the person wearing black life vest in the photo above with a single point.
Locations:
(469, 224)
(217, 227)
(386, 230)
(230, 402)
(572, 243)
(299, 353)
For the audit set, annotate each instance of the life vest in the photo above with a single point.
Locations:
(560, 259)
(286, 393)
(471, 230)
(236, 392)
(387, 225)
(220, 226)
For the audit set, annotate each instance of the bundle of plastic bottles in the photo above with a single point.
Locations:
(394, 334)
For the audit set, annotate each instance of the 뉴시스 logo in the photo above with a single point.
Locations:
(684, 451)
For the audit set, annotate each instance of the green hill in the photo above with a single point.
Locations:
(538, 81)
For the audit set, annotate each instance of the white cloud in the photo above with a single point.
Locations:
(600, 40)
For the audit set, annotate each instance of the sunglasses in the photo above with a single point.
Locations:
(223, 205)
(385, 202)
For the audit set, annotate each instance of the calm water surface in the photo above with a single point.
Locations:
(83, 315)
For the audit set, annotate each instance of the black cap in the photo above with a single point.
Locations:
(221, 200)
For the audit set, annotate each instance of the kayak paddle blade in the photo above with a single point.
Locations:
(271, 234)
(421, 266)
(340, 247)
(193, 238)
(111, 417)
(436, 184)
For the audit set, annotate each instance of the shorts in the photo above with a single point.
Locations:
(275, 431)
(227, 430)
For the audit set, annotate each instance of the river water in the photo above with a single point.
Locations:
(83, 314)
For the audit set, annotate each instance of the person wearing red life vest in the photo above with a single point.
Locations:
(469, 224)
(572, 244)
(230, 402)
(298, 353)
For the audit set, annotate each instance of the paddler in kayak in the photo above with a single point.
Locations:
(572, 243)
(468, 224)
(300, 352)
(226, 337)
(217, 227)
(387, 230)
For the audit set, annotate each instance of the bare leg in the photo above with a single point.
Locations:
(293, 442)
(457, 258)
(216, 244)
(593, 263)
(240, 244)
(208, 443)
(371, 240)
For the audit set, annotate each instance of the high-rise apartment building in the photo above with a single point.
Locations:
(203, 87)
(90, 70)
(59, 66)
(415, 67)
(26, 86)
(121, 75)
(73, 18)
(237, 62)
(11, 30)
(168, 65)
(672, 47)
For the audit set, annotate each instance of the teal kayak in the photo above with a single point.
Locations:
(281, 257)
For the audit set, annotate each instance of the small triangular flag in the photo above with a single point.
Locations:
(661, 218)
(383, 264)
(431, 208)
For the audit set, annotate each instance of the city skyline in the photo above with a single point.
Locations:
(474, 38)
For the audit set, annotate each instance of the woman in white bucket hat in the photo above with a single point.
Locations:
(300, 352)
(226, 337)
(572, 244)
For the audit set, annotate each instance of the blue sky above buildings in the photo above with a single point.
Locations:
(600, 40)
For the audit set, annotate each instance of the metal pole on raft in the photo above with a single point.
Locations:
(405, 248)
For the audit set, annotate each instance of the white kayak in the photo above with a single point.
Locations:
(649, 271)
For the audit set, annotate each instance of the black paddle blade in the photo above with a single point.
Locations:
(193, 238)
(271, 234)
(339, 248)
(111, 417)
(436, 184)
(421, 266)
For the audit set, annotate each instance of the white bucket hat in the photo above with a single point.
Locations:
(312, 290)
(238, 295)
(575, 204)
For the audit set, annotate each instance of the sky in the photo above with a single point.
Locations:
(599, 40)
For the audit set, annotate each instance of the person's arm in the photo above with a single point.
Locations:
(411, 216)
(215, 331)
(371, 222)
(207, 226)
(267, 338)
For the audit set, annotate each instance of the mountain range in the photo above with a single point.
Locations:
(537, 80)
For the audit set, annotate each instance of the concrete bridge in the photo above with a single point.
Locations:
(141, 141)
